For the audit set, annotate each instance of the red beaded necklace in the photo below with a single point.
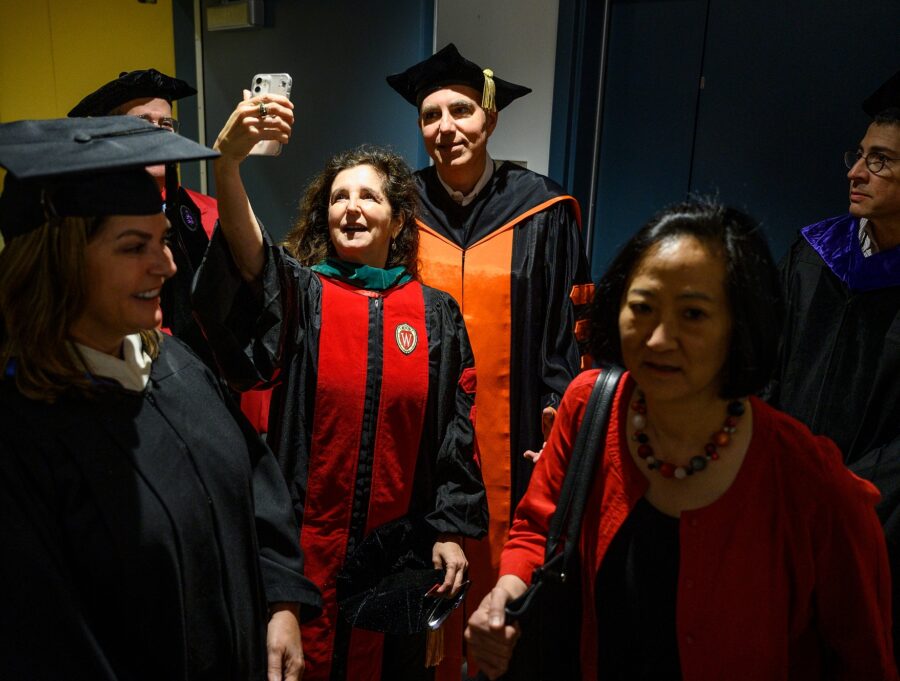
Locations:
(720, 438)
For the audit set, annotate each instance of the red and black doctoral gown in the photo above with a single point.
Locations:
(370, 418)
(515, 262)
(144, 534)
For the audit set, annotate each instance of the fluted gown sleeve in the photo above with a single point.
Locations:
(249, 326)
(569, 292)
(460, 502)
(278, 536)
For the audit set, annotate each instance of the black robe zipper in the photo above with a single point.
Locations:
(365, 458)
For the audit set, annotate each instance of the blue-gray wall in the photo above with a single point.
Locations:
(780, 102)
(186, 69)
(338, 53)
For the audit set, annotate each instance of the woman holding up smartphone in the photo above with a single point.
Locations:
(373, 373)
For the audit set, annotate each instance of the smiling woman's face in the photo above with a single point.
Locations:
(360, 223)
(125, 265)
(675, 321)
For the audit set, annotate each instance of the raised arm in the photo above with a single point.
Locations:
(244, 128)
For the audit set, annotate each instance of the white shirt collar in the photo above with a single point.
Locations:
(132, 371)
(465, 200)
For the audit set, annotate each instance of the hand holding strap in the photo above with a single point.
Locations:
(566, 521)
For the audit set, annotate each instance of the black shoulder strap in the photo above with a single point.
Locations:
(566, 520)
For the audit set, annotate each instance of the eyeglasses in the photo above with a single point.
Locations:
(165, 123)
(875, 160)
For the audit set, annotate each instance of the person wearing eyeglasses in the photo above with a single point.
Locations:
(148, 94)
(840, 358)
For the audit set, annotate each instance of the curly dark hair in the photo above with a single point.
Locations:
(309, 241)
(751, 282)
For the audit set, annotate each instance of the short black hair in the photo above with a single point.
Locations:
(889, 116)
(751, 283)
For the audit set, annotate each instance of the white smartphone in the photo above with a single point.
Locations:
(269, 83)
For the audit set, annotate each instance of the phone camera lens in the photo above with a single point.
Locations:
(256, 89)
(258, 81)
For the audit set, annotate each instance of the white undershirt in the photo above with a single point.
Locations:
(132, 371)
(465, 200)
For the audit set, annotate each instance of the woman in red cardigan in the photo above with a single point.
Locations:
(721, 538)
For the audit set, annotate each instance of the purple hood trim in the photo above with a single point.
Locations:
(836, 240)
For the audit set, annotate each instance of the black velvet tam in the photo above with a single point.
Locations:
(399, 604)
(885, 97)
(385, 582)
(84, 167)
(131, 85)
(449, 67)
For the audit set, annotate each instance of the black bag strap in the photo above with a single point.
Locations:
(566, 520)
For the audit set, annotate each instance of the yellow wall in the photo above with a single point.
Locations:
(54, 52)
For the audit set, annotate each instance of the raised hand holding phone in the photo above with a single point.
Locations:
(265, 84)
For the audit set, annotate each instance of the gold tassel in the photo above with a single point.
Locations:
(434, 647)
(488, 102)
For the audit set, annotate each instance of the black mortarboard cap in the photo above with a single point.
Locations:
(885, 97)
(131, 85)
(449, 67)
(84, 167)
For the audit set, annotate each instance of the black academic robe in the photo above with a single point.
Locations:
(143, 534)
(515, 261)
(839, 373)
(840, 357)
(370, 421)
(193, 217)
(549, 289)
(188, 243)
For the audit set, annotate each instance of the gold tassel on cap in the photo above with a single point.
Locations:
(434, 646)
(488, 94)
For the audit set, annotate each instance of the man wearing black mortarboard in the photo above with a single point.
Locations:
(149, 94)
(506, 243)
(840, 364)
